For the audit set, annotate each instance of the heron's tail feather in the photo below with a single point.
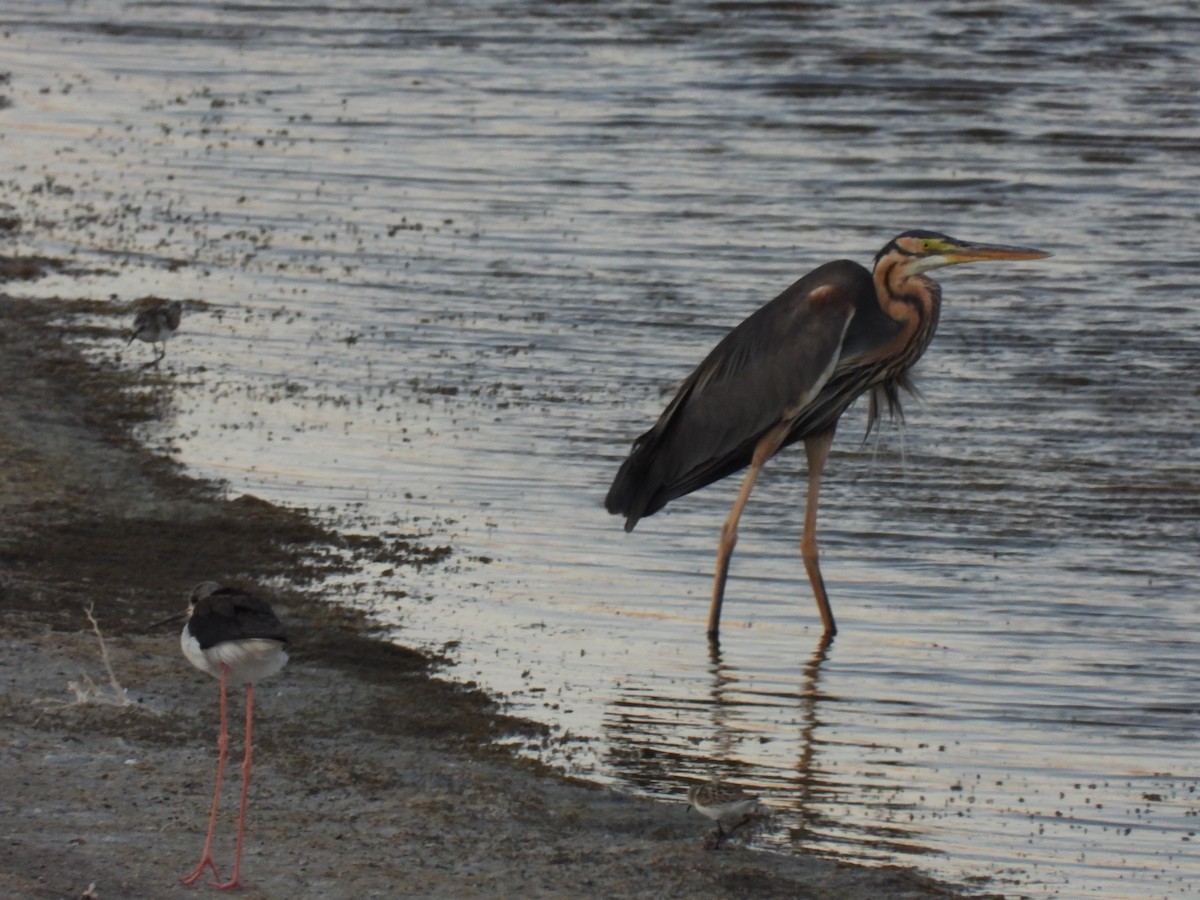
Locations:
(629, 495)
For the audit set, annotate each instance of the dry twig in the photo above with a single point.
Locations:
(86, 690)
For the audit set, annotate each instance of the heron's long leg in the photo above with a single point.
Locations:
(817, 450)
(235, 880)
(768, 444)
(206, 860)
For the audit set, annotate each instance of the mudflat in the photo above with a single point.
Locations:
(374, 776)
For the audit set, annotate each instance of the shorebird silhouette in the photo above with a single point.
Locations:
(721, 803)
(156, 325)
(237, 638)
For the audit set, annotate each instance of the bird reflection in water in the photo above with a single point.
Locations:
(665, 741)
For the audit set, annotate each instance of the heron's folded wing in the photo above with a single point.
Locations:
(765, 371)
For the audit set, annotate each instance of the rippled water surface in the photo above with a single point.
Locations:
(442, 263)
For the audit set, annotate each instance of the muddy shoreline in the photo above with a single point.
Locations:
(373, 775)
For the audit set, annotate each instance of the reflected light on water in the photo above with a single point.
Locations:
(440, 265)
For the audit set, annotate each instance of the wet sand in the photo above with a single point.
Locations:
(373, 776)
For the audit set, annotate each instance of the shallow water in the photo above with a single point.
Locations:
(443, 265)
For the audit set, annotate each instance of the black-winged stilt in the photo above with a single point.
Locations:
(156, 325)
(236, 638)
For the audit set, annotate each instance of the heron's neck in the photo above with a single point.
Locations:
(906, 298)
(913, 302)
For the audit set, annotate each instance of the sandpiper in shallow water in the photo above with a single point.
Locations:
(236, 637)
(156, 325)
(722, 803)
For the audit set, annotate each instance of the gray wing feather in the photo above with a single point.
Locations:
(765, 371)
(747, 386)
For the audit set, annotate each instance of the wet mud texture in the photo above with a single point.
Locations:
(373, 776)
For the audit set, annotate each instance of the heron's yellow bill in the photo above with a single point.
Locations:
(964, 253)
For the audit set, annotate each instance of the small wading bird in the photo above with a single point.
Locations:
(156, 325)
(786, 374)
(236, 638)
(722, 803)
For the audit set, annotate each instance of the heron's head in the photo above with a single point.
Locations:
(919, 251)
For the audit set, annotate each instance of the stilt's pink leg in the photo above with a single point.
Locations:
(206, 860)
(235, 879)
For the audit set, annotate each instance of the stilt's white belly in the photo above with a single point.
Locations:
(249, 660)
